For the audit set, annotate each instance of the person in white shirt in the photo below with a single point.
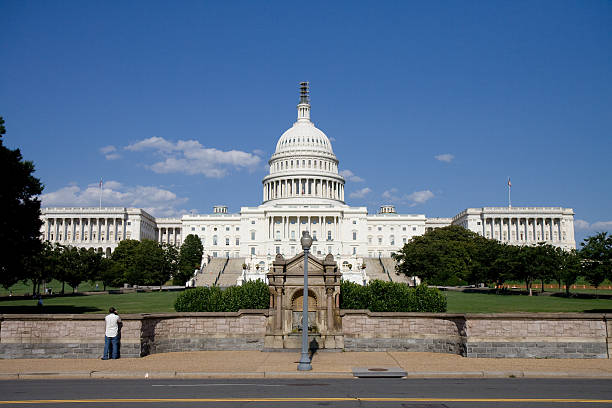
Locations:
(111, 335)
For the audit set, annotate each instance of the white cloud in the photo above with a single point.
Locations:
(360, 193)
(446, 157)
(350, 176)
(154, 200)
(581, 225)
(332, 139)
(418, 197)
(596, 226)
(190, 157)
(110, 152)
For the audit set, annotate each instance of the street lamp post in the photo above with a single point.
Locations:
(304, 364)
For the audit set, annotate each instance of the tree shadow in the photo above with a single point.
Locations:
(52, 309)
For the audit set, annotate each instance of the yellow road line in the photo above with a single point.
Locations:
(323, 399)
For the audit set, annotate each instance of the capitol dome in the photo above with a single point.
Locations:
(304, 135)
(303, 168)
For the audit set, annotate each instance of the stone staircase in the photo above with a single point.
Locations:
(210, 272)
(231, 273)
(390, 265)
(374, 270)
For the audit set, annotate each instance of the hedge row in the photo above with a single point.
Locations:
(251, 295)
(379, 296)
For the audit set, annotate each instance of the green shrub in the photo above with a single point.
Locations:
(379, 296)
(251, 295)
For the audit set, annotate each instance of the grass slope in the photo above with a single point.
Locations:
(158, 302)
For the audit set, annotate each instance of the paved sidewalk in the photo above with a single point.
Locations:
(257, 364)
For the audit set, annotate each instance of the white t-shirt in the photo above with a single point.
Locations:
(112, 326)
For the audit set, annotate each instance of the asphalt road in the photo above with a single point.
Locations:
(380, 392)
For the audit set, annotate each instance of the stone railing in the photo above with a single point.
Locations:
(525, 335)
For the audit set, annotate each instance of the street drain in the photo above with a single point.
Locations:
(388, 372)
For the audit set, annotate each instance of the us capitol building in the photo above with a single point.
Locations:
(303, 191)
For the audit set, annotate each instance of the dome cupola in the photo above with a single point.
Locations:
(303, 167)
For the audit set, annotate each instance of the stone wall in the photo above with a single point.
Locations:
(244, 330)
(82, 336)
(526, 335)
(539, 335)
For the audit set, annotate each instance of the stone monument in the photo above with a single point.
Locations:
(286, 280)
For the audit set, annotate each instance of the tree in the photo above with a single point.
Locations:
(74, 267)
(110, 273)
(190, 259)
(124, 259)
(596, 253)
(569, 268)
(19, 213)
(168, 265)
(446, 256)
(41, 266)
(545, 262)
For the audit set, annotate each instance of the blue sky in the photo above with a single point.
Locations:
(430, 106)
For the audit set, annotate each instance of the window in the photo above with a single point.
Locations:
(403, 228)
(278, 250)
(193, 228)
(414, 228)
(354, 222)
(237, 228)
(227, 241)
(329, 249)
(227, 228)
(354, 250)
(379, 240)
(293, 235)
(252, 221)
(329, 236)
(214, 254)
(203, 228)
(215, 228)
(252, 250)
(380, 228)
(354, 235)
(278, 235)
(214, 240)
(314, 235)
(237, 241)
(369, 240)
(404, 240)
(392, 239)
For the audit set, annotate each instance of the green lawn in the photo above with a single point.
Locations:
(19, 289)
(147, 302)
(156, 302)
(459, 302)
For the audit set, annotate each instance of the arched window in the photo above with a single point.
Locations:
(214, 240)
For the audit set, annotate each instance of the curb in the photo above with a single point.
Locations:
(291, 374)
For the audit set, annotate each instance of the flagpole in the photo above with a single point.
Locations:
(509, 187)
(100, 193)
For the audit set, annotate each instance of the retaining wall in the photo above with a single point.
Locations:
(82, 336)
(504, 335)
(527, 335)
